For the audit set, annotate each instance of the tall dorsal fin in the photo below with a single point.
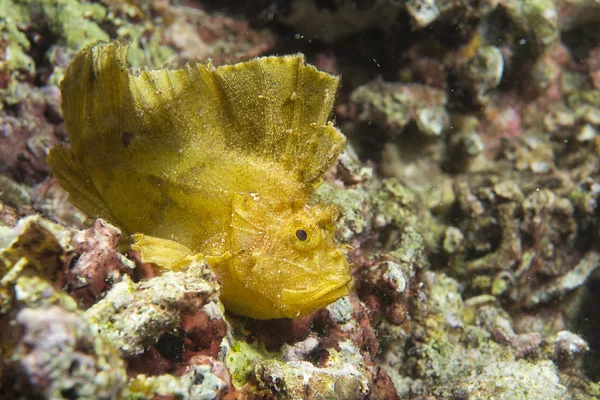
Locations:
(274, 107)
(278, 107)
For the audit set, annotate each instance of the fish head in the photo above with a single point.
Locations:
(289, 257)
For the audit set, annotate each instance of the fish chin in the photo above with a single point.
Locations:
(325, 294)
(334, 294)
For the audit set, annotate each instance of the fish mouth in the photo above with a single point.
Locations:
(323, 294)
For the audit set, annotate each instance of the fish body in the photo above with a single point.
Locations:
(221, 162)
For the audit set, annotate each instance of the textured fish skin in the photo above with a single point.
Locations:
(221, 162)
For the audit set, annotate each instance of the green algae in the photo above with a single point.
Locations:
(198, 382)
(242, 358)
(377, 203)
(452, 345)
(393, 105)
(29, 255)
(538, 19)
(73, 24)
(344, 376)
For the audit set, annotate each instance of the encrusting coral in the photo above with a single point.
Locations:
(51, 350)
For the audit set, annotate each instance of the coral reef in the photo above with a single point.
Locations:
(204, 379)
(393, 106)
(55, 354)
(50, 350)
(469, 195)
(342, 377)
(133, 316)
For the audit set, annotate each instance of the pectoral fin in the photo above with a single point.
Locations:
(162, 252)
(169, 254)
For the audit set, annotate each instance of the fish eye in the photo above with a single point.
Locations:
(301, 235)
(304, 234)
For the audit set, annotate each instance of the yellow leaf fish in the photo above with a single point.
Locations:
(220, 162)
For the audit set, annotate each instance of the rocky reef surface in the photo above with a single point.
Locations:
(470, 194)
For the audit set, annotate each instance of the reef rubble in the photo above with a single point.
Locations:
(469, 195)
